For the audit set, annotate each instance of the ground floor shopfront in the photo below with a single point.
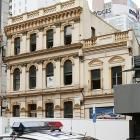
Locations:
(63, 104)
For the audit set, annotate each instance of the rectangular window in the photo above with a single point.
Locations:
(16, 111)
(90, 113)
(68, 109)
(17, 45)
(32, 110)
(95, 79)
(33, 42)
(116, 75)
(92, 32)
(49, 110)
(67, 35)
(49, 39)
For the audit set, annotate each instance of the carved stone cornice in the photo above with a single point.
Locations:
(45, 51)
(43, 92)
(103, 47)
(51, 19)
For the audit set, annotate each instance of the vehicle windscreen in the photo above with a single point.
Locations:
(14, 138)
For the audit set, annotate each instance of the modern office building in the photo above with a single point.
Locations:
(60, 65)
(122, 14)
(18, 7)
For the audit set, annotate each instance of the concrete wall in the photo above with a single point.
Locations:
(102, 129)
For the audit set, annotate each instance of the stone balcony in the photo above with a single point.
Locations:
(113, 38)
(56, 8)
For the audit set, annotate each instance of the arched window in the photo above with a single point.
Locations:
(32, 77)
(33, 42)
(16, 79)
(67, 72)
(49, 38)
(17, 45)
(49, 74)
(67, 35)
(68, 109)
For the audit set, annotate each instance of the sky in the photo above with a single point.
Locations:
(136, 1)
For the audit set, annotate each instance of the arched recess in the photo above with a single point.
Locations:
(16, 67)
(67, 24)
(95, 62)
(67, 58)
(29, 65)
(49, 28)
(32, 32)
(116, 59)
(47, 62)
(15, 36)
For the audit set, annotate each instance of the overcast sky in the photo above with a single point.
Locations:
(136, 1)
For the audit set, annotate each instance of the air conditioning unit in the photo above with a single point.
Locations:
(50, 81)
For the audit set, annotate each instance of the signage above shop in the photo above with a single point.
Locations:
(102, 12)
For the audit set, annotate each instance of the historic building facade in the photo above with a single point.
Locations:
(62, 60)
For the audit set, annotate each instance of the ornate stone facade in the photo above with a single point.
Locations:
(108, 48)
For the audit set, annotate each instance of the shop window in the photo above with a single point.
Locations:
(49, 110)
(16, 111)
(68, 109)
(32, 112)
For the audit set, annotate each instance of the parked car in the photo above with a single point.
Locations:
(41, 131)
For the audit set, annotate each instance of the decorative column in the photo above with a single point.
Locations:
(23, 43)
(40, 39)
(39, 107)
(57, 108)
(76, 109)
(39, 76)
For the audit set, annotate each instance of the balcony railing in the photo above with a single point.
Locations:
(108, 39)
(58, 7)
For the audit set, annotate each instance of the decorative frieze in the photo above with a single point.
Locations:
(22, 26)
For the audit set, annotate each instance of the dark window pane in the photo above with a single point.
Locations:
(49, 110)
(67, 35)
(90, 112)
(68, 72)
(49, 39)
(95, 79)
(92, 32)
(16, 111)
(32, 77)
(49, 70)
(17, 45)
(116, 74)
(68, 109)
(16, 79)
(33, 42)
(32, 110)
